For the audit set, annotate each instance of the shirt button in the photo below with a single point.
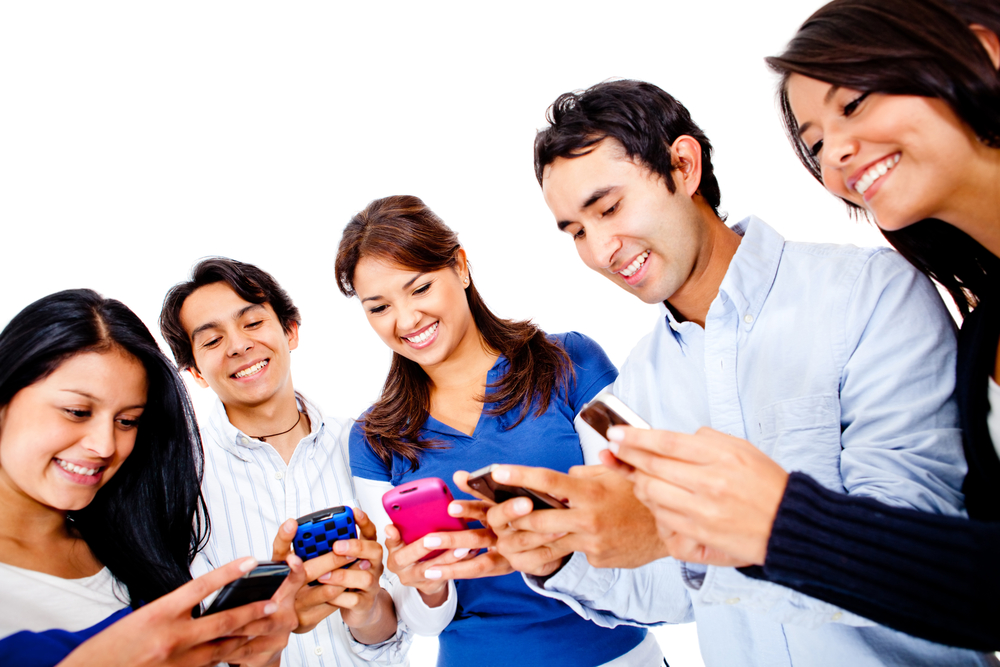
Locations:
(318, 650)
(837, 616)
(732, 601)
(244, 440)
(279, 475)
(748, 318)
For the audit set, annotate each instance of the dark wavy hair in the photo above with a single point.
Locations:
(643, 118)
(909, 47)
(251, 283)
(404, 231)
(146, 524)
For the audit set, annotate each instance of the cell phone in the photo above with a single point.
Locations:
(482, 481)
(258, 584)
(606, 410)
(318, 531)
(421, 507)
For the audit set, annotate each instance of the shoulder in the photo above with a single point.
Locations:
(365, 463)
(577, 345)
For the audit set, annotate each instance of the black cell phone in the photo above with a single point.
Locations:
(606, 410)
(258, 584)
(482, 481)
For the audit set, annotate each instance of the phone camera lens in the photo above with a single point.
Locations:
(395, 507)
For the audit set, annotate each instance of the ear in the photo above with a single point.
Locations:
(990, 42)
(686, 155)
(462, 264)
(199, 380)
(292, 335)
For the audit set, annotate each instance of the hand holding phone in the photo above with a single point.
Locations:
(421, 507)
(317, 532)
(482, 481)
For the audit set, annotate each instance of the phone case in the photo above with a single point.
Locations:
(483, 482)
(421, 507)
(258, 584)
(606, 410)
(318, 531)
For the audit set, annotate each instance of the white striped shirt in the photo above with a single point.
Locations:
(250, 491)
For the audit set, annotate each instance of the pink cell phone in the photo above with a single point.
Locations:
(421, 507)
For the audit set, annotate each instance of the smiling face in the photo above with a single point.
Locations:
(424, 317)
(240, 348)
(625, 223)
(903, 158)
(63, 437)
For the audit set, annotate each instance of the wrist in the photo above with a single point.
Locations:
(434, 597)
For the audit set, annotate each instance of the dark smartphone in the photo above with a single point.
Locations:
(258, 584)
(482, 481)
(606, 410)
(318, 531)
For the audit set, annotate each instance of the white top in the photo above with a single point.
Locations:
(37, 602)
(993, 417)
(250, 491)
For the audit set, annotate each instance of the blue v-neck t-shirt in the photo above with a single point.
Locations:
(499, 620)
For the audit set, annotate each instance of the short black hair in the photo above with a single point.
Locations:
(642, 117)
(251, 283)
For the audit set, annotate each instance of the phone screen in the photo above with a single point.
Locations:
(258, 584)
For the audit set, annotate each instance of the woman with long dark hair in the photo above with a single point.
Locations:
(100, 471)
(467, 389)
(894, 106)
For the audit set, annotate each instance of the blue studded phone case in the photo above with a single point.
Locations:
(318, 531)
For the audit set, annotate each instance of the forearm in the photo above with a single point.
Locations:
(381, 622)
(931, 576)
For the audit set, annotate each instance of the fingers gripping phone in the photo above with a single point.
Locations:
(318, 531)
(421, 507)
(482, 481)
(606, 410)
(258, 584)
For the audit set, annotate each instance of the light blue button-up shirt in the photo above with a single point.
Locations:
(834, 360)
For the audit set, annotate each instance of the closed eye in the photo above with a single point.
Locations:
(377, 309)
(77, 414)
(254, 325)
(128, 424)
(211, 342)
(422, 289)
(611, 210)
(852, 106)
(816, 148)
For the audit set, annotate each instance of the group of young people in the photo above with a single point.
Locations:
(818, 486)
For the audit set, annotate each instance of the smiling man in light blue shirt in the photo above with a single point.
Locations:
(834, 360)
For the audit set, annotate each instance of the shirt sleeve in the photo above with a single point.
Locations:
(365, 463)
(613, 597)
(591, 365)
(931, 576)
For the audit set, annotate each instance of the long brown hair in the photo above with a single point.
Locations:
(402, 230)
(909, 47)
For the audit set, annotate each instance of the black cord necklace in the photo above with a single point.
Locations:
(263, 438)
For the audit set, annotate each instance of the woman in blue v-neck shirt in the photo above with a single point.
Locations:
(467, 389)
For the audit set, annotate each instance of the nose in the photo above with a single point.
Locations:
(839, 148)
(239, 344)
(602, 247)
(100, 438)
(408, 318)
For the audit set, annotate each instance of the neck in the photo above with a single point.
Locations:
(465, 367)
(275, 416)
(695, 296)
(975, 208)
(27, 525)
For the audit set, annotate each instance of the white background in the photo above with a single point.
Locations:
(136, 138)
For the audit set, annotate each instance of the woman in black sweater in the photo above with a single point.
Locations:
(894, 105)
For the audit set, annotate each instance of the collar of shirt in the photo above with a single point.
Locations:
(748, 279)
(236, 441)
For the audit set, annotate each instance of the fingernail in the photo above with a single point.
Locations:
(325, 576)
(432, 574)
(613, 447)
(461, 553)
(454, 508)
(616, 434)
(522, 505)
(270, 608)
(365, 565)
(248, 564)
(431, 542)
(501, 475)
(340, 547)
(290, 525)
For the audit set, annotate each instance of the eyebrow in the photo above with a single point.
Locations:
(826, 100)
(97, 400)
(594, 197)
(215, 325)
(405, 286)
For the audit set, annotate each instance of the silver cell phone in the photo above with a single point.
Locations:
(606, 410)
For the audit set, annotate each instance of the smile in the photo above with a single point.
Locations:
(247, 372)
(423, 336)
(636, 264)
(875, 172)
(78, 470)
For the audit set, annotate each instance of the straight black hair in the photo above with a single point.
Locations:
(909, 47)
(146, 524)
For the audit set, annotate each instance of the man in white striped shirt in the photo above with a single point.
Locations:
(270, 456)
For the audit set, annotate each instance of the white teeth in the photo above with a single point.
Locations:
(79, 470)
(253, 369)
(425, 335)
(630, 270)
(875, 172)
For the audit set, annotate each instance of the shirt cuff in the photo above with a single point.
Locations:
(392, 651)
(418, 617)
